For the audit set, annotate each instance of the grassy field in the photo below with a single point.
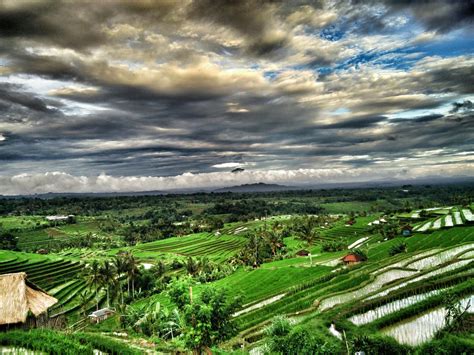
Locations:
(217, 248)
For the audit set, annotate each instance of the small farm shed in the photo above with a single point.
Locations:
(351, 259)
(22, 303)
(302, 252)
(406, 230)
(101, 315)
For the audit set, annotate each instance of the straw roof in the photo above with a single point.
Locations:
(18, 296)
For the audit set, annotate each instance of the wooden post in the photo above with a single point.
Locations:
(191, 294)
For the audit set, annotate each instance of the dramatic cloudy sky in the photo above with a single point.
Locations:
(145, 95)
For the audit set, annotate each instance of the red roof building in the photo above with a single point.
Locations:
(303, 252)
(352, 259)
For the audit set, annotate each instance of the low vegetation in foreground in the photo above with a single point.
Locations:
(381, 270)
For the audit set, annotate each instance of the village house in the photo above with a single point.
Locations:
(302, 252)
(22, 303)
(352, 259)
(101, 315)
(406, 230)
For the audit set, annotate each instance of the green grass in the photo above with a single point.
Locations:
(423, 241)
(195, 245)
(55, 342)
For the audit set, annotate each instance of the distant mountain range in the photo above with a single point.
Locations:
(264, 187)
(258, 187)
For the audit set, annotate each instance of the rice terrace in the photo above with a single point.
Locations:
(276, 261)
(237, 177)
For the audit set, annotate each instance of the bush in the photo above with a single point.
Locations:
(449, 344)
(378, 344)
(54, 342)
(283, 338)
(46, 341)
(333, 246)
(105, 344)
(397, 249)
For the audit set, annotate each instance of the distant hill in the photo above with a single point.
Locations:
(258, 187)
(263, 187)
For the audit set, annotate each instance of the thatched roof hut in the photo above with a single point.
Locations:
(19, 297)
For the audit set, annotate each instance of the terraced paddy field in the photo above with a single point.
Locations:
(83, 254)
(58, 276)
(34, 232)
(348, 233)
(443, 217)
(379, 294)
(420, 241)
(195, 245)
(260, 284)
(378, 291)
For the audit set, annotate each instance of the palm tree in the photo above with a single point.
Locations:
(121, 266)
(132, 272)
(306, 230)
(94, 278)
(274, 240)
(108, 277)
(84, 301)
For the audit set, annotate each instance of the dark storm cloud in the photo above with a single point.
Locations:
(168, 87)
(434, 15)
(251, 18)
(9, 96)
(467, 105)
(357, 122)
(426, 118)
(51, 21)
(438, 15)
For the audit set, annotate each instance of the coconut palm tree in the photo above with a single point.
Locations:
(94, 278)
(306, 230)
(120, 265)
(274, 240)
(132, 272)
(108, 273)
(84, 301)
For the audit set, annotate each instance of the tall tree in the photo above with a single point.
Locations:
(208, 319)
(132, 271)
(108, 273)
(8, 241)
(306, 229)
(94, 278)
(120, 265)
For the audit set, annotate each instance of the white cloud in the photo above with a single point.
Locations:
(63, 182)
(228, 165)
